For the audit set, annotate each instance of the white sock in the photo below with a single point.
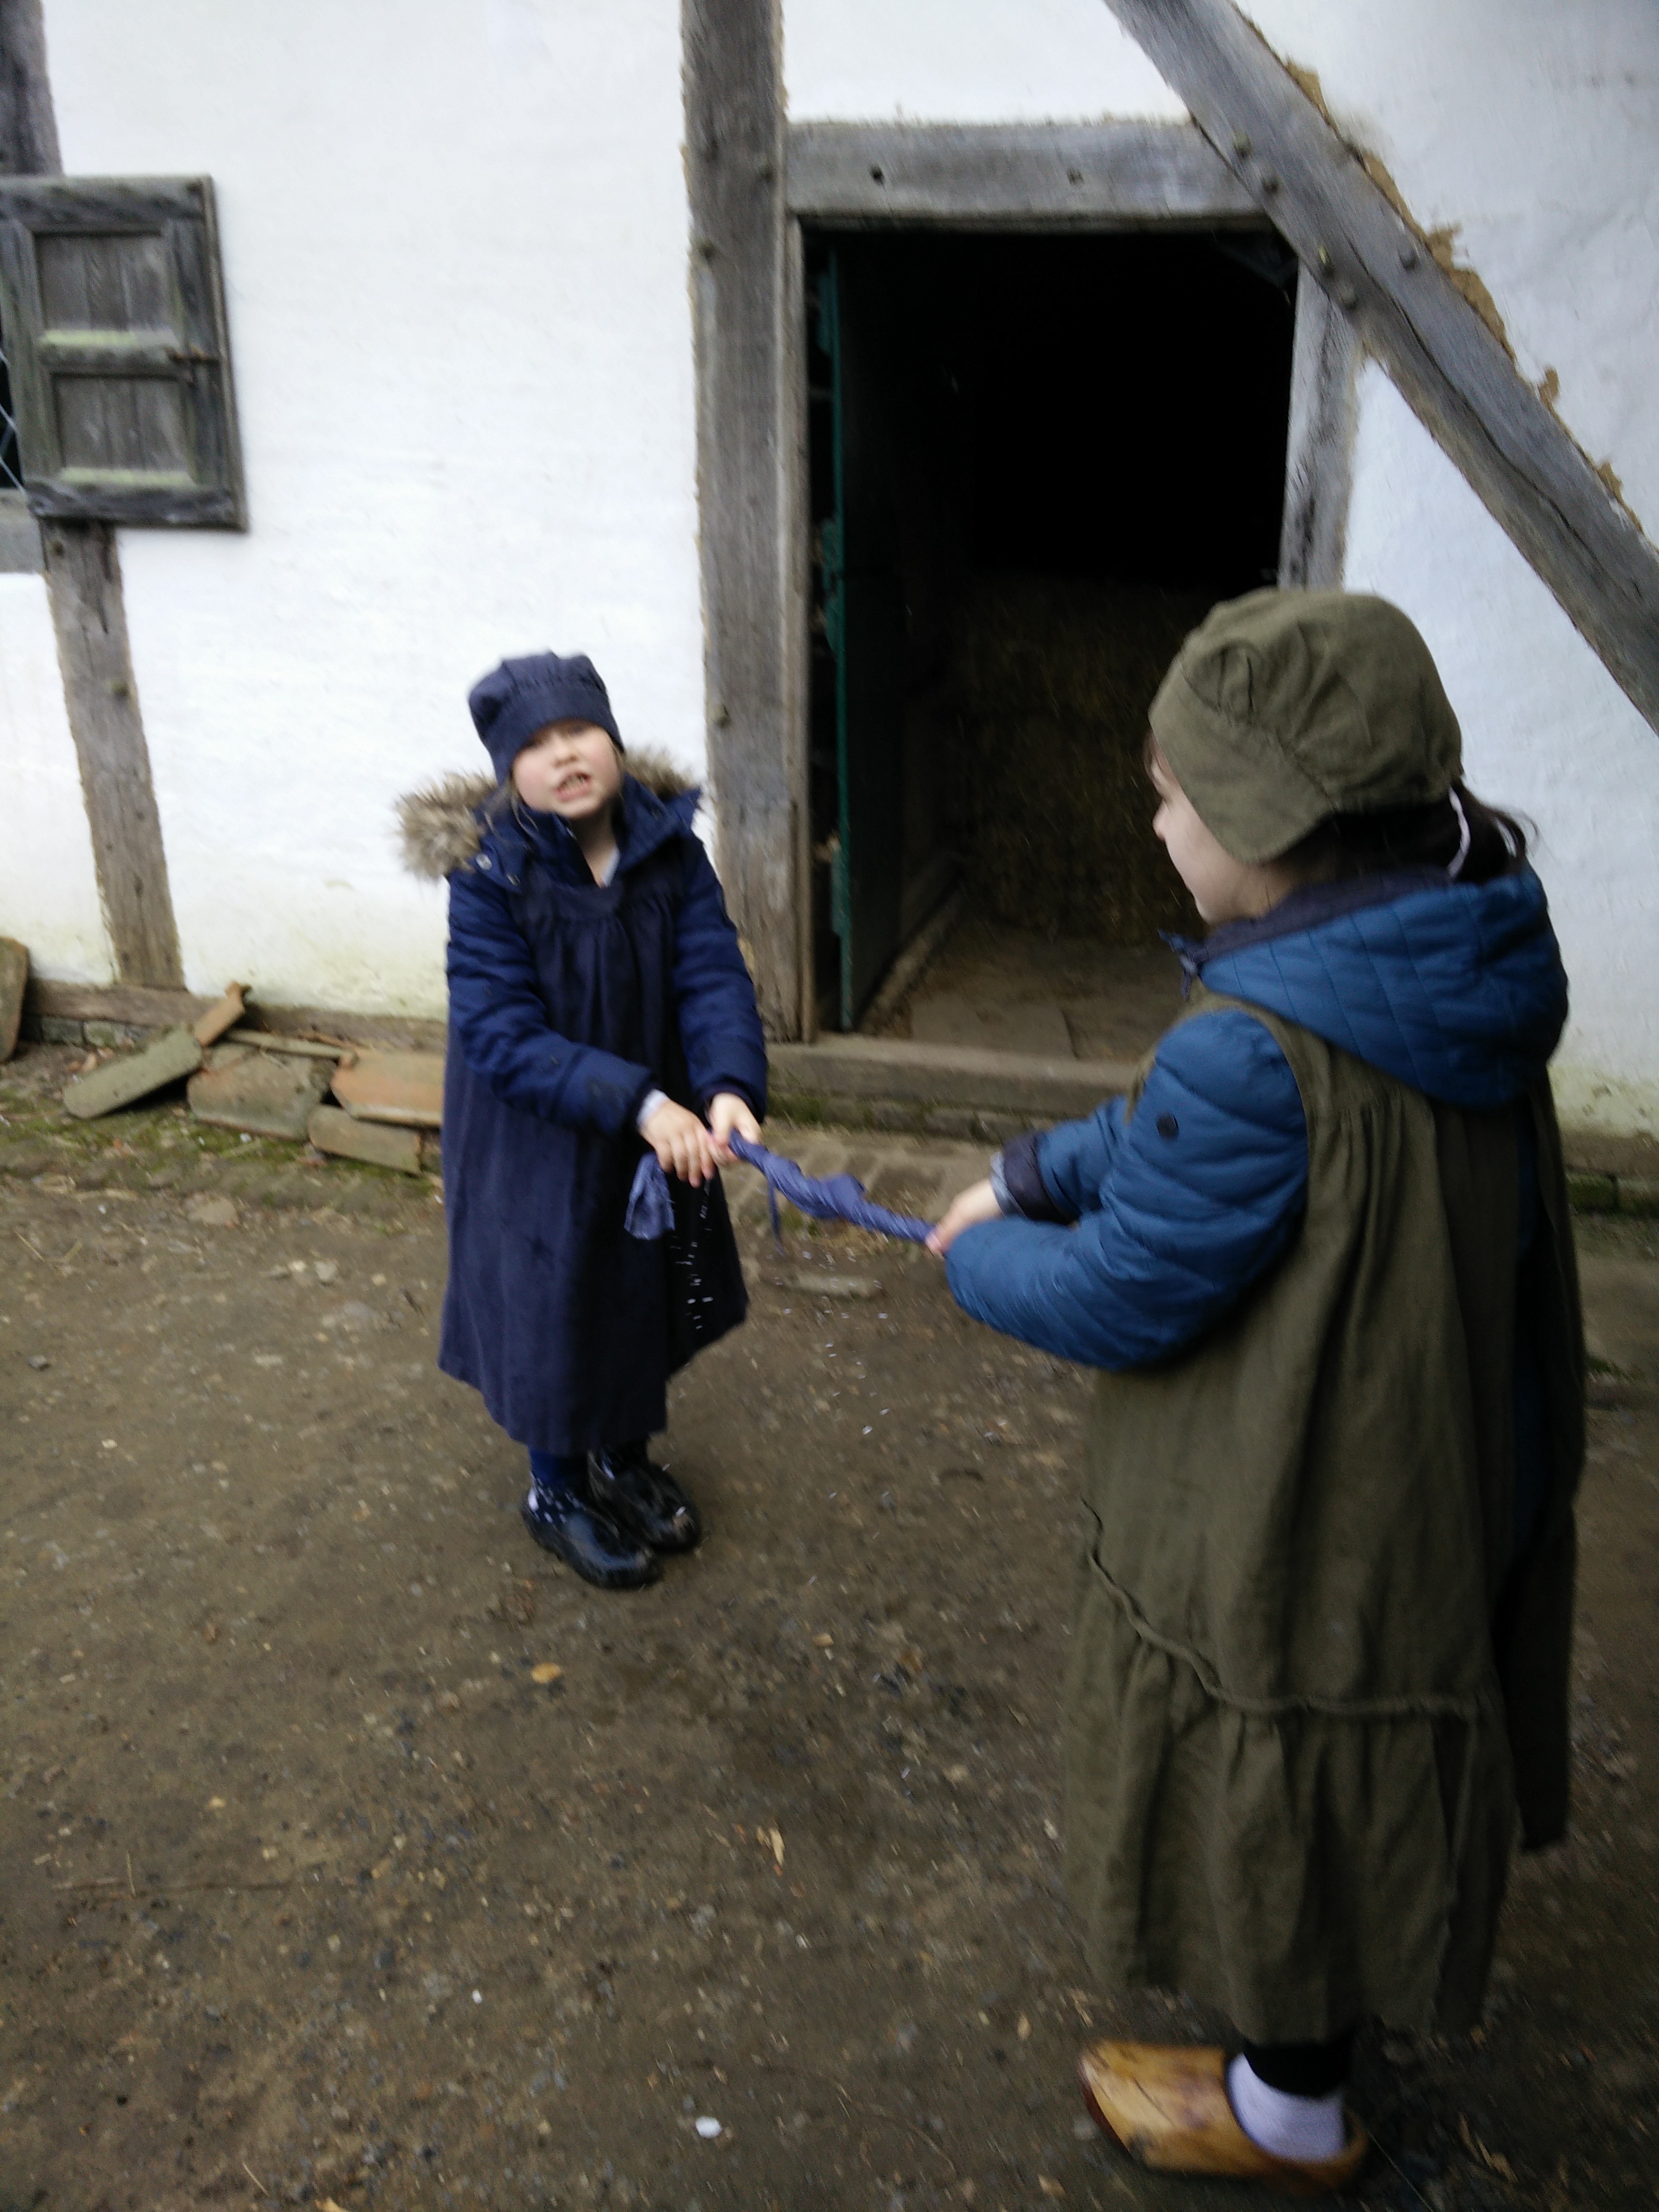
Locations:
(1309, 2127)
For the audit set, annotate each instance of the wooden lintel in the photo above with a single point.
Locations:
(1099, 176)
(1453, 371)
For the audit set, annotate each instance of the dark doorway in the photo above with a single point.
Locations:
(1035, 463)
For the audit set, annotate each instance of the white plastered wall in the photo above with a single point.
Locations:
(48, 886)
(1546, 732)
(966, 61)
(455, 249)
(1534, 130)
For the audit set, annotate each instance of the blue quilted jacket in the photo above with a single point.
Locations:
(1133, 1233)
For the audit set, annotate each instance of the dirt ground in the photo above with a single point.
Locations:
(356, 1852)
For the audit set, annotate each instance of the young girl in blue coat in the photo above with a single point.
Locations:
(1322, 1257)
(598, 1005)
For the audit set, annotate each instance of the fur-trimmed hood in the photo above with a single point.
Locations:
(441, 825)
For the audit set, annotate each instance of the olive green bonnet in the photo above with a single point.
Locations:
(1283, 707)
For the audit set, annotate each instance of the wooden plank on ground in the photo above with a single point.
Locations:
(1456, 373)
(1094, 176)
(222, 1015)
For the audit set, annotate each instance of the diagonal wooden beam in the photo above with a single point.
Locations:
(1453, 372)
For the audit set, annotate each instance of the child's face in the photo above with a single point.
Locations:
(1223, 889)
(569, 769)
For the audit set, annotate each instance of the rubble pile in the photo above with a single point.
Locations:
(342, 1100)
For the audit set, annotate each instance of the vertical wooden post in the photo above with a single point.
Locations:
(735, 178)
(83, 578)
(1319, 449)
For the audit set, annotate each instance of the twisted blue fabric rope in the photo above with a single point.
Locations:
(825, 1198)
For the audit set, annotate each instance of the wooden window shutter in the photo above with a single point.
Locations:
(114, 317)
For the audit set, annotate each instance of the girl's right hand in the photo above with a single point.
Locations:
(683, 1146)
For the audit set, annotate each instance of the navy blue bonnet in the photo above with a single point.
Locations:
(524, 695)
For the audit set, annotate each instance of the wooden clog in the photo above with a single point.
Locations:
(1167, 2105)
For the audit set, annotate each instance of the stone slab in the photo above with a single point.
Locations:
(859, 1069)
(383, 1145)
(407, 1087)
(262, 1093)
(1034, 1028)
(14, 981)
(121, 1082)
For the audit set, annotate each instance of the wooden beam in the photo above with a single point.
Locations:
(796, 465)
(83, 578)
(1319, 444)
(1104, 176)
(734, 172)
(1453, 372)
(28, 126)
(137, 1007)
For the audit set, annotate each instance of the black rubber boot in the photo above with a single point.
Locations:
(622, 1481)
(587, 1540)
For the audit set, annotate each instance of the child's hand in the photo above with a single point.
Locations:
(976, 1204)
(726, 1112)
(682, 1145)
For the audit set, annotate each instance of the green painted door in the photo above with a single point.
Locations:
(864, 620)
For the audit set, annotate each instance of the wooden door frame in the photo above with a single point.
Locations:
(756, 183)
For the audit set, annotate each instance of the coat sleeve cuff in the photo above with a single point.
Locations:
(1026, 1193)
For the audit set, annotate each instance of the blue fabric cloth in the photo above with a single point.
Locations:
(650, 1209)
(1456, 988)
(568, 1000)
(826, 1198)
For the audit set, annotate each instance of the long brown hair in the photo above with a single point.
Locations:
(1344, 846)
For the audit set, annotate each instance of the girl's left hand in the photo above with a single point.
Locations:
(726, 1112)
(976, 1204)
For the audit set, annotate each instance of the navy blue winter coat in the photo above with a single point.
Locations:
(1457, 989)
(568, 1002)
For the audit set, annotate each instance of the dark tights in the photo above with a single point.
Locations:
(1302, 2069)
